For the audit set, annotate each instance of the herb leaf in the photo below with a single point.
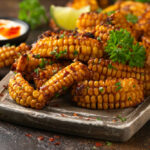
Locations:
(121, 118)
(32, 12)
(101, 89)
(121, 48)
(131, 18)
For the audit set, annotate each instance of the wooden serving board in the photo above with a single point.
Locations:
(64, 117)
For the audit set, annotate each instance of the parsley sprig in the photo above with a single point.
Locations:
(121, 48)
(131, 18)
(32, 12)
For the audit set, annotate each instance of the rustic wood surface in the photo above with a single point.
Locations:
(14, 137)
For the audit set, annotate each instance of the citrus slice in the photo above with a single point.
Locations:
(65, 17)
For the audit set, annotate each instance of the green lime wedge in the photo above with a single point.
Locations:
(65, 17)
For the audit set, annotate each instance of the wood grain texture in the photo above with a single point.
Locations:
(12, 137)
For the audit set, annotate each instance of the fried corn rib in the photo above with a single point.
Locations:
(42, 75)
(24, 94)
(146, 43)
(68, 47)
(77, 4)
(27, 63)
(109, 94)
(71, 74)
(102, 69)
(87, 21)
(9, 54)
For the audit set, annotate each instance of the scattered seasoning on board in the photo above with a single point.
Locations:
(63, 115)
(51, 139)
(1, 94)
(108, 143)
(98, 118)
(40, 138)
(98, 144)
(57, 143)
(75, 114)
(28, 135)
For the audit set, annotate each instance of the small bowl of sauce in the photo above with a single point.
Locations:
(13, 31)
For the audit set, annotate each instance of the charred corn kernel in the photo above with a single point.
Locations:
(74, 46)
(24, 94)
(87, 21)
(143, 23)
(43, 75)
(146, 43)
(27, 63)
(73, 73)
(9, 54)
(112, 70)
(135, 8)
(124, 95)
(77, 4)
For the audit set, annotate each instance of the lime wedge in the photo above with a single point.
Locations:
(66, 17)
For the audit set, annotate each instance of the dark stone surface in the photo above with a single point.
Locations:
(13, 137)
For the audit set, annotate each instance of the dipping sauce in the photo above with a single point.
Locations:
(10, 29)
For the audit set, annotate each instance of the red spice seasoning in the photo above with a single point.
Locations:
(51, 139)
(40, 138)
(28, 135)
(98, 144)
(57, 143)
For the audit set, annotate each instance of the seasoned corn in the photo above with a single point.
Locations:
(24, 94)
(66, 77)
(42, 75)
(109, 94)
(102, 69)
(9, 54)
(68, 47)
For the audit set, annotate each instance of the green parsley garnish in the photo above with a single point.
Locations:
(118, 84)
(143, 1)
(108, 143)
(121, 48)
(57, 95)
(36, 71)
(37, 56)
(62, 36)
(43, 63)
(51, 62)
(129, 98)
(7, 45)
(61, 53)
(99, 61)
(121, 118)
(54, 52)
(75, 53)
(98, 118)
(99, 38)
(132, 18)
(110, 13)
(32, 12)
(134, 86)
(54, 71)
(27, 58)
(101, 89)
(110, 66)
(99, 10)
(64, 88)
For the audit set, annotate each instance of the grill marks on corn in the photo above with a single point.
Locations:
(108, 98)
(65, 78)
(100, 70)
(10, 53)
(46, 73)
(24, 94)
(70, 46)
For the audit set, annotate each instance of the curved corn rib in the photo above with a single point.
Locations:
(42, 75)
(71, 74)
(24, 94)
(9, 54)
(68, 47)
(102, 69)
(109, 94)
(87, 21)
(146, 43)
